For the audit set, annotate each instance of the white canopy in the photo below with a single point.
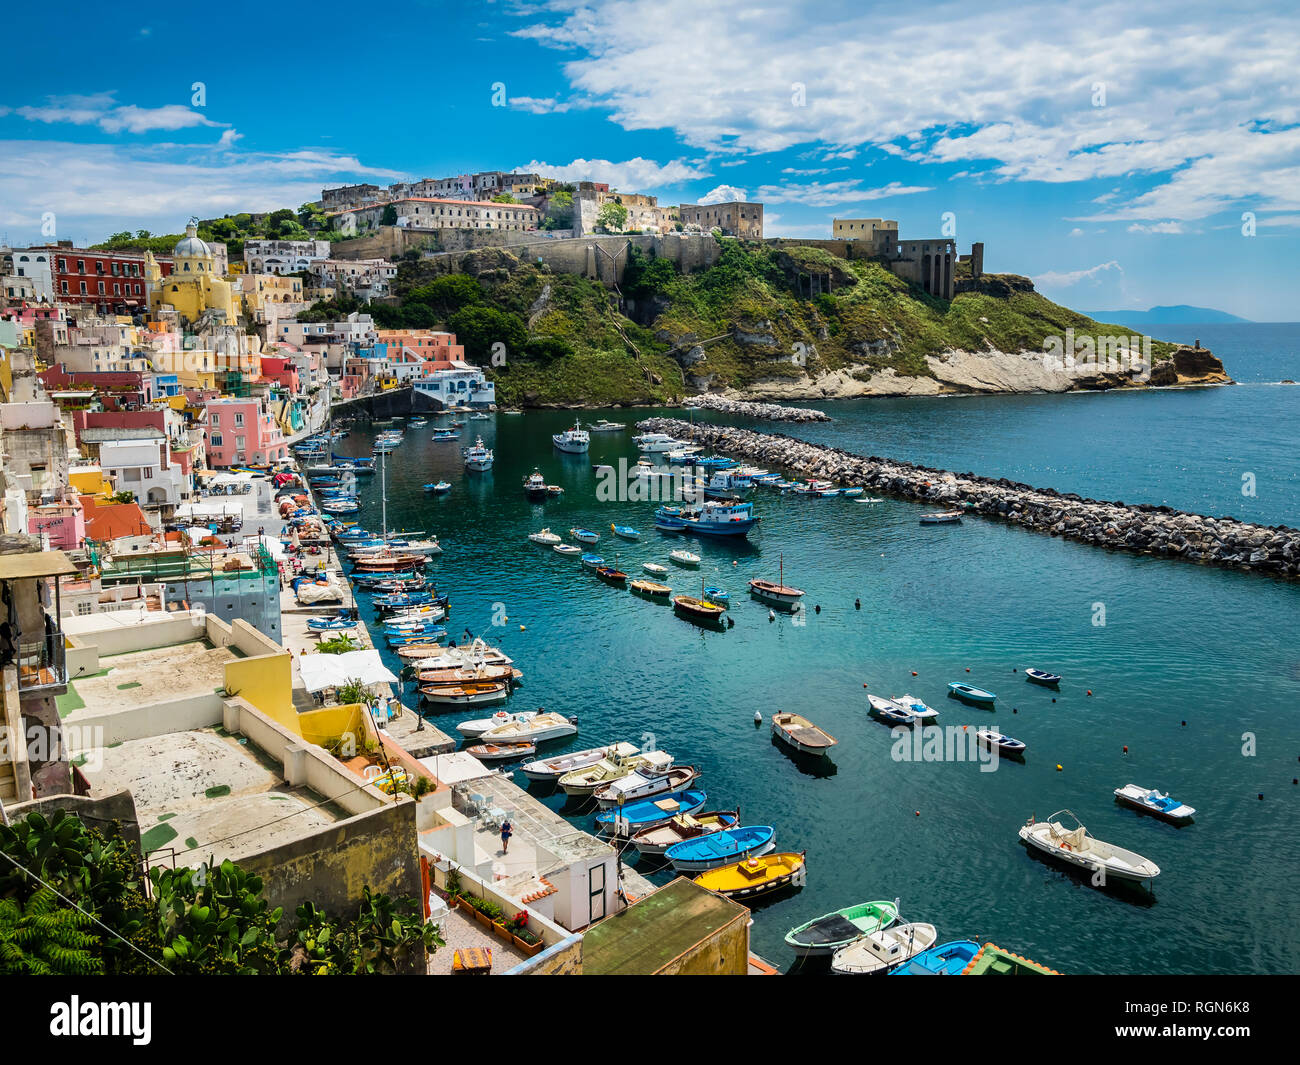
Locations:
(209, 510)
(320, 671)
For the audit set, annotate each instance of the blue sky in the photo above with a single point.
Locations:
(1109, 151)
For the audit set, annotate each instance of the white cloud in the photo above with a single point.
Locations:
(103, 188)
(833, 193)
(631, 175)
(1076, 232)
(1204, 107)
(723, 194)
(1094, 274)
(1156, 227)
(102, 110)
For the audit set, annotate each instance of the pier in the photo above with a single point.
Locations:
(1138, 528)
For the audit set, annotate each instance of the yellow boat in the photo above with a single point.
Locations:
(756, 876)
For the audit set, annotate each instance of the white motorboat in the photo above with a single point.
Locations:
(549, 770)
(537, 728)
(1068, 841)
(1154, 802)
(651, 443)
(654, 567)
(567, 549)
(604, 426)
(878, 952)
(685, 558)
(573, 441)
(478, 459)
(545, 537)
(925, 715)
(477, 728)
(645, 783)
(535, 485)
(582, 782)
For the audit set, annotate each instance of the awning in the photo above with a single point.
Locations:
(30, 565)
(320, 671)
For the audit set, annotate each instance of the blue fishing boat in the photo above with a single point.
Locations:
(1154, 802)
(646, 813)
(710, 518)
(401, 600)
(433, 635)
(625, 531)
(1041, 676)
(718, 596)
(947, 959)
(968, 693)
(590, 561)
(721, 848)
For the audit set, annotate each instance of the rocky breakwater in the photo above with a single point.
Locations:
(1141, 528)
(772, 412)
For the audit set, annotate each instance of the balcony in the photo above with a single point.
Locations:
(42, 665)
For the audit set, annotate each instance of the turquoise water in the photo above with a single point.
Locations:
(1216, 650)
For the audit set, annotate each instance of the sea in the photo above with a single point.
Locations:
(1177, 677)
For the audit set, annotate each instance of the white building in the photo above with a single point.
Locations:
(142, 463)
(459, 383)
(35, 263)
(283, 256)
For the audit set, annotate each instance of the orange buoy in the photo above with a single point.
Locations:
(1058, 767)
(914, 673)
(918, 812)
(1089, 691)
(1126, 748)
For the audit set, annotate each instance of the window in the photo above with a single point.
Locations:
(239, 442)
(63, 265)
(101, 288)
(83, 288)
(81, 266)
(216, 419)
(63, 287)
(239, 418)
(214, 439)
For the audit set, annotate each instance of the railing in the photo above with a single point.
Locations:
(42, 663)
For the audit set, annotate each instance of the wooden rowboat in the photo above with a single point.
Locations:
(501, 752)
(697, 609)
(801, 734)
(651, 588)
(467, 694)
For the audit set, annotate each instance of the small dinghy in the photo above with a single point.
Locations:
(947, 517)
(719, 848)
(1150, 801)
(921, 714)
(501, 752)
(852, 493)
(653, 842)
(592, 561)
(801, 734)
(868, 499)
(631, 818)
(567, 549)
(626, 532)
(718, 596)
(757, 876)
(655, 569)
(1063, 836)
(472, 693)
(545, 537)
(549, 770)
(693, 609)
(884, 949)
(889, 711)
(685, 558)
(584, 536)
(645, 782)
(968, 693)
(1038, 676)
(653, 589)
(831, 931)
(437, 488)
(1008, 746)
(474, 729)
(611, 575)
(947, 959)
(338, 623)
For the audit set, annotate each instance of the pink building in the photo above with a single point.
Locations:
(64, 523)
(241, 431)
(282, 371)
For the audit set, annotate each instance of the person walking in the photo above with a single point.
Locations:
(506, 832)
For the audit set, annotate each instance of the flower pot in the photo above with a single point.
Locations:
(463, 903)
(483, 919)
(528, 948)
(502, 930)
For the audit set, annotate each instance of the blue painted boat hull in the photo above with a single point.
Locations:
(646, 813)
(721, 848)
(947, 959)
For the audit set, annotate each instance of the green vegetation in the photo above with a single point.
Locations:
(559, 209)
(611, 217)
(209, 920)
(307, 223)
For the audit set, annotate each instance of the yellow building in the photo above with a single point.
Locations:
(193, 286)
(263, 292)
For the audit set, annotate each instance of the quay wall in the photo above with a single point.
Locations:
(1141, 529)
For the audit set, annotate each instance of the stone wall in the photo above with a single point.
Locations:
(1142, 528)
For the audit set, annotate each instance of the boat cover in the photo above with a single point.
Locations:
(832, 929)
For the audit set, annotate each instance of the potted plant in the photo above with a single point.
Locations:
(481, 913)
(453, 886)
(524, 937)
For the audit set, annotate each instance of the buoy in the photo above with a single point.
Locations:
(733, 561)
(918, 812)
(1126, 748)
(1014, 710)
(1058, 767)
(1053, 698)
(914, 673)
(818, 608)
(968, 669)
(864, 684)
(771, 615)
(1184, 724)
(1014, 670)
(1089, 691)
(857, 604)
(522, 628)
(1261, 796)
(758, 717)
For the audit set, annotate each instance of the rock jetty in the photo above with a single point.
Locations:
(1141, 528)
(772, 412)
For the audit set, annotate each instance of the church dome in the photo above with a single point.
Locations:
(191, 247)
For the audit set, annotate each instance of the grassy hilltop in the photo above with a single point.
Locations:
(568, 340)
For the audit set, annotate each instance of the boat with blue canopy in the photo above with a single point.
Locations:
(646, 813)
(947, 959)
(719, 848)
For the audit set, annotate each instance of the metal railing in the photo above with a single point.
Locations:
(42, 663)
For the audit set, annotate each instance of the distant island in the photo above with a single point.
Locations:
(1179, 314)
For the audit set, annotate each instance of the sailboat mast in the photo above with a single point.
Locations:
(383, 492)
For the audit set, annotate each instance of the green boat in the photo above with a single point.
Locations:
(826, 934)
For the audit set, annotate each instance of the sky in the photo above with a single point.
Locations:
(1123, 155)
